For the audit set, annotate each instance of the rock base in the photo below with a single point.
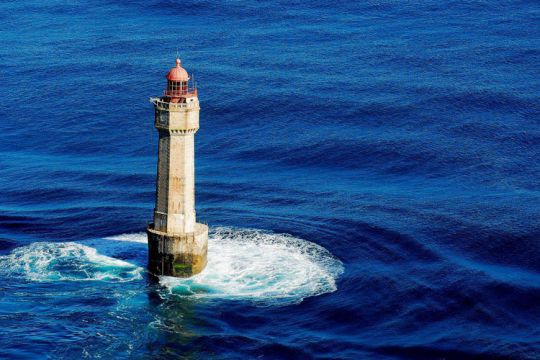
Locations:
(179, 255)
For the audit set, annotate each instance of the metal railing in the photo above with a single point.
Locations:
(181, 92)
(173, 106)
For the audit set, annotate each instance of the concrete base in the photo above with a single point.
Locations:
(180, 255)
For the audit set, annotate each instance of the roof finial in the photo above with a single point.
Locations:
(177, 58)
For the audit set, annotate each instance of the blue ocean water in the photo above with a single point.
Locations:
(369, 171)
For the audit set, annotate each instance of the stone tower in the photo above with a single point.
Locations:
(177, 244)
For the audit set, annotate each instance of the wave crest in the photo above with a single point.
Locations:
(47, 261)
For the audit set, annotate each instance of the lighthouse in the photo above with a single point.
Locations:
(177, 243)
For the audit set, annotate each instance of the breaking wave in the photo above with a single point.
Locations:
(46, 261)
(260, 266)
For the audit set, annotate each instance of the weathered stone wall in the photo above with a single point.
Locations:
(175, 184)
(177, 255)
(181, 206)
(177, 245)
(162, 181)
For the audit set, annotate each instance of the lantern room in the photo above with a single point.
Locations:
(178, 84)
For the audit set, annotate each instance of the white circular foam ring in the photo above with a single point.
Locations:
(243, 264)
(260, 266)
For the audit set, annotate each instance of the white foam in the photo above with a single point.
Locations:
(260, 266)
(243, 264)
(46, 261)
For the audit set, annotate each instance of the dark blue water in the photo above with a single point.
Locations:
(396, 142)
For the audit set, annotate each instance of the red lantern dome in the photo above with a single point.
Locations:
(178, 87)
(178, 73)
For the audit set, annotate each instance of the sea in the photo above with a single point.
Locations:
(369, 171)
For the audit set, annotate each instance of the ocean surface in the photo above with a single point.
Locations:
(369, 171)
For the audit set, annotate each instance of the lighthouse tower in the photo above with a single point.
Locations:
(177, 244)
